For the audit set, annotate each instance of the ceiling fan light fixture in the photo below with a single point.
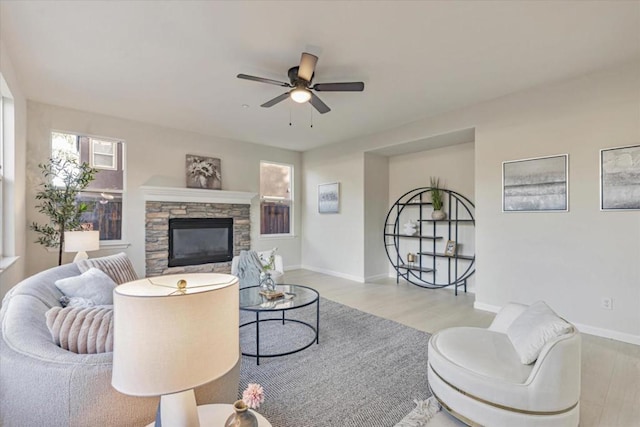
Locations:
(300, 95)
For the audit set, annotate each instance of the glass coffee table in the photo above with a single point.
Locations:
(295, 297)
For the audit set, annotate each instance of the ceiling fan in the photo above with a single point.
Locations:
(300, 78)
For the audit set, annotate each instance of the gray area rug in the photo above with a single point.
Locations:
(366, 372)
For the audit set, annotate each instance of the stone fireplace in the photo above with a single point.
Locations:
(209, 211)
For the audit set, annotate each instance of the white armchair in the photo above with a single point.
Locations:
(477, 375)
(277, 274)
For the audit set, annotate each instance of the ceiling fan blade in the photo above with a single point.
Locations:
(318, 104)
(339, 87)
(263, 80)
(275, 100)
(307, 66)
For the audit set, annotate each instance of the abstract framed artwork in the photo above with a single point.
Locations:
(620, 178)
(203, 172)
(535, 185)
(329, 198)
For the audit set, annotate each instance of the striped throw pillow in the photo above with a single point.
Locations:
(82, 330)
(117, 266)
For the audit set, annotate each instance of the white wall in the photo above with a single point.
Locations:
(455, 167)
(376, 196)
(14, 224)
(155, 156)
(334, 243)
(571, 259)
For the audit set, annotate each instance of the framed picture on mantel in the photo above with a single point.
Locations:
(203, 172)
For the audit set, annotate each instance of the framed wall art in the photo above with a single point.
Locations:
(329, 198)
(203, 172)
(620, 178)
(534, 185)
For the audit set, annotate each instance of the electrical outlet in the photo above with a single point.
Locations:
(607, 303)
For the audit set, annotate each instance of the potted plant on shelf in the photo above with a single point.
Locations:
(437, 199)
(64, 179)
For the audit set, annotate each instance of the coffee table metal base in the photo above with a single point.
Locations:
(257, 322)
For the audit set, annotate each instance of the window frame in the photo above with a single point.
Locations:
(291, 232)
(104, 244)
(93, 152)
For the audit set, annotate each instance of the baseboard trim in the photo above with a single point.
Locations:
(608, 333)
(376, 277)
(486, 307)
(587, 329)
(292, 267)
(334, 273)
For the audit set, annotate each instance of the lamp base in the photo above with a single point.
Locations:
(178, 409)
(80, 256)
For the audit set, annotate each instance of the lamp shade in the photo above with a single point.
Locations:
(81, 241)
(167, 341)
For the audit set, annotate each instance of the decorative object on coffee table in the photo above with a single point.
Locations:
(203, 172)
(198, 343)
(437, 200)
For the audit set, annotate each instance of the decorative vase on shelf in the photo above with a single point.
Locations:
(242, 417)
(266, 282)
(438, 215)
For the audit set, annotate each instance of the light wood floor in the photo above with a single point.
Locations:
(610, 369)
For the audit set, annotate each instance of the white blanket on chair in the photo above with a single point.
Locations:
(249, 269)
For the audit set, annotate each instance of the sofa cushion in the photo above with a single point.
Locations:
(117, 266)
(533, 329)
(83, 330)
(93, 287)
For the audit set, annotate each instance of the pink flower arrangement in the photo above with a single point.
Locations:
(253, 395)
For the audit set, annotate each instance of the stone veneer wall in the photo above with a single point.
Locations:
(157, 233)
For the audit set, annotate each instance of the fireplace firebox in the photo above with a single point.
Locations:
(194, 241)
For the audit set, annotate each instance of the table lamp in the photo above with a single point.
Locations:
(81, 242)
(174, 333)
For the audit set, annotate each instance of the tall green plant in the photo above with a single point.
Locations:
(64, 179)
(436, 194)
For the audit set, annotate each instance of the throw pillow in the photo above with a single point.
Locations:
(82, 330)
(534, 328)
(92, 285)
(117, 266)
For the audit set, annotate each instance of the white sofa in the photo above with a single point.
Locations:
(43, 385)
(477, 376)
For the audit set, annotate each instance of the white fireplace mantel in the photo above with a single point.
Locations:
(195, 195)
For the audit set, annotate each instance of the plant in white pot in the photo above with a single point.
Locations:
(437, 199)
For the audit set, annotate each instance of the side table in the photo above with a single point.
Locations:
(217, 413)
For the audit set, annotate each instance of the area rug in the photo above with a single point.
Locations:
(366, 372)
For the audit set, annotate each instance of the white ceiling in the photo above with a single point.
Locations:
(175, 63)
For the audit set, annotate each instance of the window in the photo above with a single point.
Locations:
(104, 194)
(276, 198)
(103, 154)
